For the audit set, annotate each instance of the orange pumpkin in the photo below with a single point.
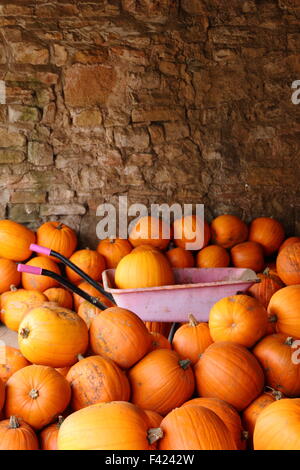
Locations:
(191, 339)
(159, 341)
(161, 381)
(49, 435)
(113, 250)
(239, 319)
(13, 362)
(60, 296)
(230, 372)
(152, 231)
(15, 434)
(97, 379)
(159, 327)
(263, 291)
(15, 240)
(63, 370)
(268, 232)
(228, 230)
(284, 311)
(190, 232)
(57, 237)
(213, 256)
(9, 276)
(40, 283)
(180, 258)
(143, 269)
(37, 394)
(288, 264)
(248, 255)
(86, 287)
(289, 241)
(90, 261)
(119, 335)
(154, 418)
(144, 248)
(87, 312)
(52, 336)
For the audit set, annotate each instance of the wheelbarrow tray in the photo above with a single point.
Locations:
(195, 291)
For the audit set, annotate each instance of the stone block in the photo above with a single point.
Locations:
(40, 153)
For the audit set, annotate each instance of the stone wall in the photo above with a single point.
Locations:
(161, 100)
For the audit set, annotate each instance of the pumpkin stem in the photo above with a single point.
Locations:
(112, 240)
(154, 434)
(13, 288)
(60, 226)
(80, 357)
(272, 319)
(34, 393)
(244, 435)
(266, 271)
(275, 393)
(24, 332)
(13, 422)
(60, 420)
(192, 320)
(289, 341)
(184, 363)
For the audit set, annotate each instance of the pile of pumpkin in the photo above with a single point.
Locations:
(89, 379)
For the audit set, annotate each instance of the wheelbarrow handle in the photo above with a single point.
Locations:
(46, 251)
(24, 268)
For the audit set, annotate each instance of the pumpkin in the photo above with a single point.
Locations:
(268, 285)
(230, 372)
(228, 230)
(90, 261)
(97, 379)
(116, 425)
(289, 241)
(191, 232)
(13, 362)
(252, 412)
(274, 353)
(40, 283)
(284, 311)
(213, 256)
(17, 303)
(86, 287)
(52, 336)
(63, 370)
(113, 250)
(15, 434)
(119, 335)
(15, 240)
(194, 427)
(288, 264)
(277, 427)
(87, 312)
(161, 381)
(159, 327)
(143, 269)
(152, 231)
(49, 435)
(227, 414)
(248, 255)
(60, 296)
(159, 341)
(37, 394)
(144, 248)
(239, 319)
(9, 276)
(154, 419)
(191, 339)
(268, 232)
(180, 258)
(57, 237)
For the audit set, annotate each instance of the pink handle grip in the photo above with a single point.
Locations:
(24, 268)
(40, 249)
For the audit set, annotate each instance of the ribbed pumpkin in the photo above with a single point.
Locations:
(154, 418)
(97, 379)
(191, 339)
(263, 291)
(277, 427)
(86, 287)
(143, 269)
(40, 283)
(57, 237)
(106, 426)
(289, 241)
(284, 311)
(15, 240)
(228, 230)
(161, 381)
(180, 258)
(9, 276)
(190, 232)
(227, 414)
(213, 256)
(113, 250)
(37, 394)
(52, 336)
(152, 231)
(159, 341)
(288, 264)
(194, 427)
(230, 372)
(90, 261)
(159, 327)
(15, 434)
(49, 435)
(17, 303)
(120, 335)
(13, 362)
(239, 319)
(87, 312)
(274, 353)
(248, 255)
(60, 296)
(268, 232)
